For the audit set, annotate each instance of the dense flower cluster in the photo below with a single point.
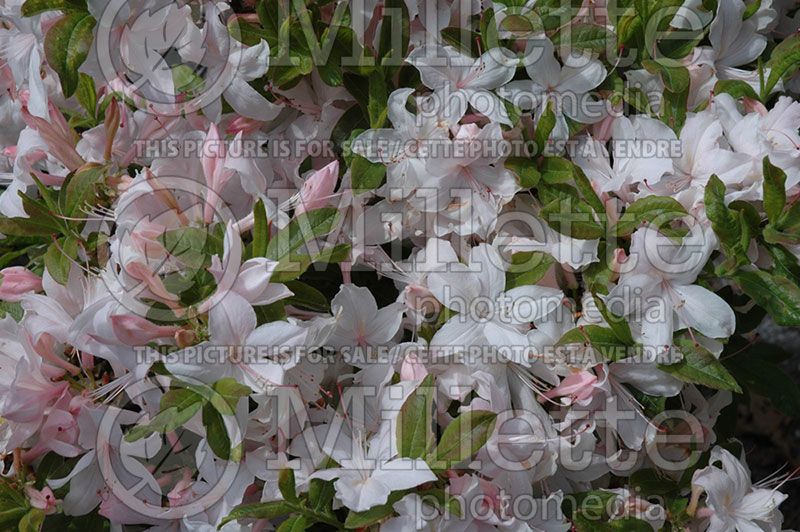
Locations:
(393, 264)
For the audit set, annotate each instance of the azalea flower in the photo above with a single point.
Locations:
(565, 86)
(486, 314)
(360, 324)
(658, 293)
(732, 501)
(367, 473)
(458, 79)
(403, 148)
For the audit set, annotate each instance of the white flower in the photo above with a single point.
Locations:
(460, 79)
(477, 292)
(658, 292)
(367, 474)
(565, 86)
(733, 500)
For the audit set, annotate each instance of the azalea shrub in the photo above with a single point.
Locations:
(394, 264)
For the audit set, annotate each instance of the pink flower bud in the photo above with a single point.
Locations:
(754, 106)
(135, 330)
(17, 281)
(412, 369)
(318, 188)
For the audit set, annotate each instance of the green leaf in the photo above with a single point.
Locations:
(557, 170)
(587, 190)
(736, 88)
(415, 436)
(784, 61)
(724, 221)
(226, 395)
(258, 510)
(395, 34)
(464, 40)
(544, 127)
(527, 268)
(554, 13)
(573, 217)
(583, 36)
(676, 78)
(59, 258)
(656, 210)
(260, 229)
(604, 341)
(32, 521)
(366, 175)
(751, 9)
(378, 97)
(779, 296)
(80, 189)
(774, 191)
(650, 482)
(296, 523)
(700, 366)
(177, 407)
(27, 227)
(593, 504)
(66, 46)
(38, 210)
(525, 171)
(303, 229)
(673, 108)
(762, 377)
(268, 313)
(86, 94)
(464, 437)
(217, 434)
(373, 515)
(12, 516)
(286, 485)
(618, 324)
(307, 297)
(320, 496)
(292, 267)
(270, 14)
(785, 263)
(246, 33)
(33, 7)
(11, 308)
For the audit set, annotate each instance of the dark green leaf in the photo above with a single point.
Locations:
(59, 258)
(700, 366)
(415, 435)
(774, 191)
(525, 171)
(779, 296)
(378, 97)
(305, 228)
(527, 268)
(656, 210)
(464, 437)
(34, 7)
(603, 341)
(66, 46)
(736, 88)
(258, 510)
(784, 60)
(286, 485)
(366, 175)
